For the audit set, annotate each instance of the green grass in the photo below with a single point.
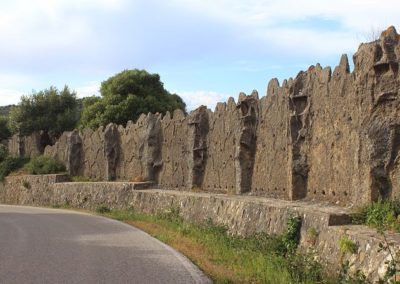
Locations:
(346, 245)
(64, 205)
(260, 258)
(382, 215)
(102, 209)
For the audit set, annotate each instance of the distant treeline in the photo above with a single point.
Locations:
(5, 110)
(124, 97)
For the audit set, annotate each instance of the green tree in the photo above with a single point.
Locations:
(127, 95)
(50, 110)
(4, 130)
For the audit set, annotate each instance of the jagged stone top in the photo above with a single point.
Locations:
(364, 59)
(390, 33)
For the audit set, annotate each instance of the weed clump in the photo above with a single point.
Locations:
(103, 209)
(382, 215)
(172, 214)
(346, 245)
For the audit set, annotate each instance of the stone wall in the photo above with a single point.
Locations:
(140, 149)
(231, 146)
(28, 146)
(271, 166)
(175, 151)
(243, 215)
(325, 135)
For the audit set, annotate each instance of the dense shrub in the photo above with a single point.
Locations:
(11, 164)
(126, 96)
(51, 110)
(5, 132)
(42, 165)
(3, 152)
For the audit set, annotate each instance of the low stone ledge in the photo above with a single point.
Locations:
(128, 185)
(50, 178)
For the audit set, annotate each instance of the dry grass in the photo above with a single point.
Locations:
(225, 258)
(138, 179)
(197, 189)
(20, 172)
(198, 253)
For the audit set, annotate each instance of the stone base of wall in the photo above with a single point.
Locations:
(243, 215)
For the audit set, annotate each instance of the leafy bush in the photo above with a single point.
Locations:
(125, 96)
(382, 215)
(305, 268)
(291, 237)
(5, 132)
(42, 165)
(11, 164)
(3, 152)
(51, 110)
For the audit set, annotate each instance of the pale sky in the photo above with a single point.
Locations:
(204, 50)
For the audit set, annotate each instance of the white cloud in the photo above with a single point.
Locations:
(88, 89)
(9, 96)
(275, 23)
(14, 79)
(12, 87)
(266, 13)
(194, 99)
(39, 27)
(86, 38)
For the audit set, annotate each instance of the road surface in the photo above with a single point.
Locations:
(40, 245)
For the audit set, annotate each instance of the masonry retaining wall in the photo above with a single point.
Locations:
(243, 215)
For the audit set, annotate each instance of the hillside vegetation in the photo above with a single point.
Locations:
(5, 110)
(124, 96)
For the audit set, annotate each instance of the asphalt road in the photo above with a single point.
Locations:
(40, 245)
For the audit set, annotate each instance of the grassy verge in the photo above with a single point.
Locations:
(230, 259)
